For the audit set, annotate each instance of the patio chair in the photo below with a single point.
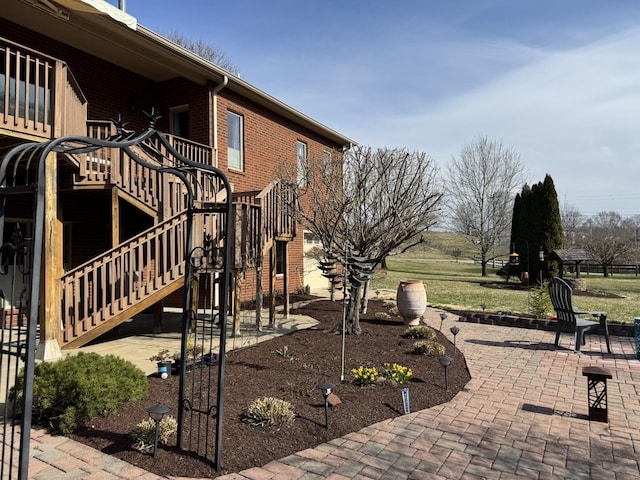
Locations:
(569, 320)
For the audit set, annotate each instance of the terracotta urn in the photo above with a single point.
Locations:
(411, 299)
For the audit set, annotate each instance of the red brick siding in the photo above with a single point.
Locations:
(269, 139)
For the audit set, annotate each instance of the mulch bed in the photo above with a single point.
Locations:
(258, 371)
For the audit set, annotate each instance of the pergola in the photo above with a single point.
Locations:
(573, 256)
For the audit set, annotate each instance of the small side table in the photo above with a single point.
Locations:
(597, 392)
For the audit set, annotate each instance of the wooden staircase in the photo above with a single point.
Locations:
(122, 282)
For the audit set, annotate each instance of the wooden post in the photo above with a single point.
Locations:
(158, 310)
(259, 295)
(237, 292)
(195, 290)
(50, 329)
(115, 218)
(285, 268)
(272, 286)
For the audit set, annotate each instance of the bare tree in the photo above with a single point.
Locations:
(608, 239)
(367, 203)
(203, 49)
(572, 220)
(481, 186)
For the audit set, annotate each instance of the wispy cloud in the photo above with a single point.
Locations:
(558, 81)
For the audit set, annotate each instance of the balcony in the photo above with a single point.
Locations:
(39, 97)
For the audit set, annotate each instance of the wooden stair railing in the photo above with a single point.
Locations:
(261, 218)
(105, 291)
(278, 216)
(163, 193)
(39, 95)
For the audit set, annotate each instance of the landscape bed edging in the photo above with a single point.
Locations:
(504, 320)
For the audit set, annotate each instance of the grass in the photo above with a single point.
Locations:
(458, 285)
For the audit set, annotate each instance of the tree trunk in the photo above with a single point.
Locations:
(484, 268)
(605, 270)
(353, 313)
(364, 303)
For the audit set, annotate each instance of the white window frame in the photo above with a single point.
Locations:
(172, 123)
(301, 162)
(235, 156)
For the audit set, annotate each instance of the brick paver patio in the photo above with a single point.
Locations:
(523, 415)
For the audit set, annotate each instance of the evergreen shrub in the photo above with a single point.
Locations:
(67, 393)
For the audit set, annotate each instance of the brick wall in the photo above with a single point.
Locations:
(269, 139)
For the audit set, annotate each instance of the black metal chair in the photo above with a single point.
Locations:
(569, 320)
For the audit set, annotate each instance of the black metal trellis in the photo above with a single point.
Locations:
(206, 257)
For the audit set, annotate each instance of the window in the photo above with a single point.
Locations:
(235, 132)
(281, 257)
(301, 149)
(179, 121)
(327, 165)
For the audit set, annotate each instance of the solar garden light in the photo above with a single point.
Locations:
(443, 317)
(455, 330)
(326, 388)
(157, 412)
(445, 361)
(483, 307)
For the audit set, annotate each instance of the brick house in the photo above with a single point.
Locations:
(68, 67)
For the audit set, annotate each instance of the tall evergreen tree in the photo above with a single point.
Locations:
(536, 226)
(552, 233)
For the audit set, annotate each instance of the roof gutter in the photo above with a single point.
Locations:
(214, 95)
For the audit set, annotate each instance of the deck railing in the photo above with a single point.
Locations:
(278, 218)
(99, 290)
(153, 189)
(39, 95)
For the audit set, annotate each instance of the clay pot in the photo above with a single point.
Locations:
(411, 299)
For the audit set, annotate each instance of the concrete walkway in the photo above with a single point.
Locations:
(523, 415)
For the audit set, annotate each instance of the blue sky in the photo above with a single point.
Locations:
(558, 80)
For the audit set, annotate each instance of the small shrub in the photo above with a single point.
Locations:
(397, 373)
(285, 352)
(269, 411)
(144, 433)
(429, 348)
(382, 316)
(394, 311)
(506, 272)
(68, 392)
(365, 375)
(540, 302)
(390, 304)
(164, 355)
(420, 331)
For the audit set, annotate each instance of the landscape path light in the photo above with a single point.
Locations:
(157, 412)
(483, 307)
(445, 361)
(443, 317)
(326, 388)
(455, 330)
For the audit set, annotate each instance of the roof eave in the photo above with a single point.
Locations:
(202, 71)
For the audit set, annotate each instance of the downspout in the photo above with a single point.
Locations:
(214, 94)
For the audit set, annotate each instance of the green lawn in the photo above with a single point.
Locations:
(458, 285)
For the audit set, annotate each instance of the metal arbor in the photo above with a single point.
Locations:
(208, 232)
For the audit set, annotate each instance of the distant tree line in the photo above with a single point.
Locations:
(608, 237)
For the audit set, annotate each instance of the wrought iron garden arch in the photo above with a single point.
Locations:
(22, 171)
